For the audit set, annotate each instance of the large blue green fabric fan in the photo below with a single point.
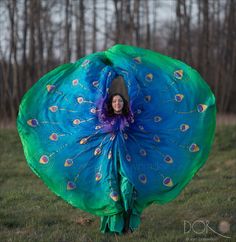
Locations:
(80, 154)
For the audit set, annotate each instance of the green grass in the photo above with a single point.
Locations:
(30, 212)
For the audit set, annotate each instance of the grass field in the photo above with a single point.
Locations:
(30, 212)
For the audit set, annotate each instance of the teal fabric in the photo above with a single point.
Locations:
(115, 223)
(72, 145)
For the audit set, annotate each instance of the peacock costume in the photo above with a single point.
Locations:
(112, 166)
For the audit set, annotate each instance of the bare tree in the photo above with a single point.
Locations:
(67, 55)
(137, 21)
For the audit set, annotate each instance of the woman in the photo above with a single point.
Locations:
(117, 105)
(118, 108)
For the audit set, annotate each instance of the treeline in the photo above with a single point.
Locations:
(38, 35)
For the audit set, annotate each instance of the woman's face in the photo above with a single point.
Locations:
(117, 104)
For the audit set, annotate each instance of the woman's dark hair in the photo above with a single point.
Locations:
(110, 110)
